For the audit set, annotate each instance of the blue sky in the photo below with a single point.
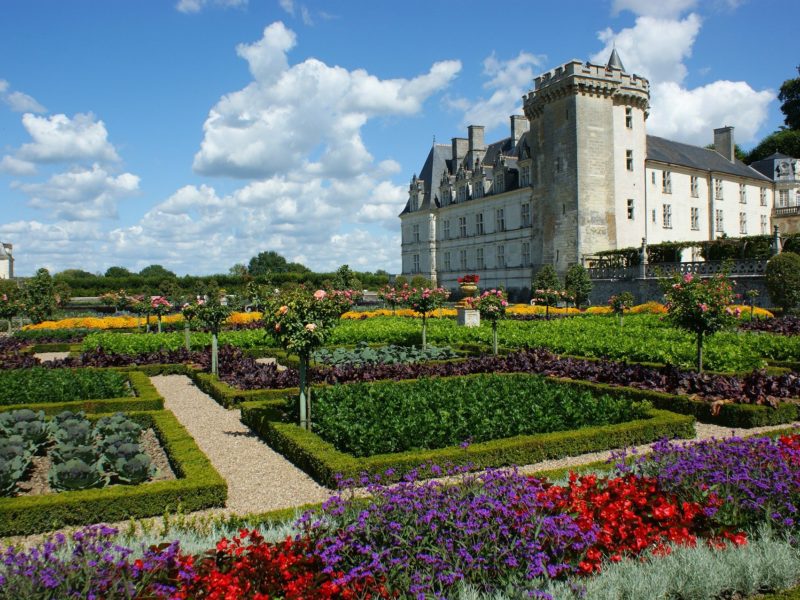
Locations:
(198, 133)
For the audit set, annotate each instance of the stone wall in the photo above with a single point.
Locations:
(645, 290)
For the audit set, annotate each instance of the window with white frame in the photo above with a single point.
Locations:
(666, 213)
(654, 215)
(763, 196)
(695, 185)
(499, 183)
(501, 256)
(479, 224)
(415, 232)
(695, 218)
(666, 182)
(629, 160)
(479, 258)
(447, 261)
(526, 254)
(783, 198)
(718, 189)
(630, 209)
(764, 225)
(462, 227)
(462, 259)
(718, 221)
(525, 215)
(743, 223)
(477, 189)
(446, 229)
(524, 176)
(499, 220)
(415, 267)
(462, 193)
(742, 193)
(628, 117)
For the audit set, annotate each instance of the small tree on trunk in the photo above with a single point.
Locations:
(300, 322)
(423, 301)
(212, 316)
(492, 306)
(620, 303)
(700, 306)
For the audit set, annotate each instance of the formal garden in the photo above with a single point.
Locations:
(553, 451)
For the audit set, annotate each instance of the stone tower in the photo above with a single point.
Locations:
(588, 141)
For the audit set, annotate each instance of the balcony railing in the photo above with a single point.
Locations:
(738, 268)
(786, 211)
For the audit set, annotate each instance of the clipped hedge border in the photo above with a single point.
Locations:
(146, 398)
(198, 486)
(230, 397)
(323, 462)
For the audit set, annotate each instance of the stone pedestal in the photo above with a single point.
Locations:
(468, 317)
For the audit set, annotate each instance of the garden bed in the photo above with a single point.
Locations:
(197, 486)
(141, 394)
(323, 461)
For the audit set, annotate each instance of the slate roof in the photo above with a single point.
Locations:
(695, 157)
(766, 166)
(440, 158)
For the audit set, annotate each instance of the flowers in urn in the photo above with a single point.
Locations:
(470, 279)
(492, 306)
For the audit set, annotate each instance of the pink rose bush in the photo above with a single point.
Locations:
(491, 304)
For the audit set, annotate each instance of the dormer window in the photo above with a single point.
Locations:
(525, 176)
(499, 183)
(477, 189)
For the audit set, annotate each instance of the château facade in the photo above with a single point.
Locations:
(577, 175)
(6, 261)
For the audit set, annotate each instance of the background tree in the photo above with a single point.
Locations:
(156, 271)
(239, 270)
(39, 296)
(790, 97)
(169, 288)
(578, 285)
(270, 261)
(118, 272)
(75, 273)
(786, 141)
(345, 279)
(783, 280)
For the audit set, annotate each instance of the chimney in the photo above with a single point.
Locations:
(723, 142)
(477, 147)
(519, 125)
(460, 146)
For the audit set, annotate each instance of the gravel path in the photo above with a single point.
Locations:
(259, 479)
(47, 356)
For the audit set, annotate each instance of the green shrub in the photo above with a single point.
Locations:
(783, 280)
(39, 384)
(365, 419)
(363, 353)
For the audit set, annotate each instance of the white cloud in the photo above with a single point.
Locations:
(291, 112)
(3, 86)
(15, 166)
(657, 47)
(60, 139)
(288, 6)
(80, 195)
(690, 115)
(20, 102)
(194, 6)
(508, 81)
(651, 8)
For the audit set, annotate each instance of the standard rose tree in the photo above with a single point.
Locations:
(423, 301)
(492, 305)
(300, 321)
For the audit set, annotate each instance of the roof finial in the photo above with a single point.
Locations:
(614, 61)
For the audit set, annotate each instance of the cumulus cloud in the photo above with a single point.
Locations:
(289, 113)
(20, 102)
(15, 166)
(657, 47)
(507, 82)
(3, 86)
(80, 195)
(58, 138)
(195, 6)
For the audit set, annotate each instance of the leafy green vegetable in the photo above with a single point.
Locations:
(40, 384)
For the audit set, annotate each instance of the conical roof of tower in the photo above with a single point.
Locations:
(614, 61)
